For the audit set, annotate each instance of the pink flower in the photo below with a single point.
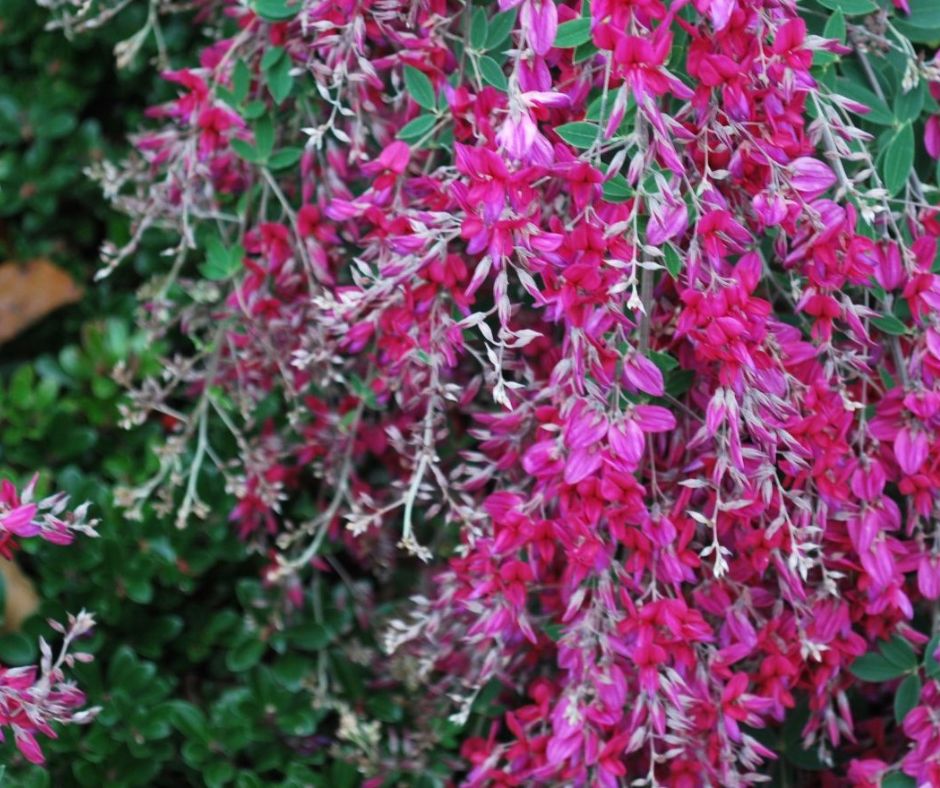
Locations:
(810, 177)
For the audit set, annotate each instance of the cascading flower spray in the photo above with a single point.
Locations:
(615, 320)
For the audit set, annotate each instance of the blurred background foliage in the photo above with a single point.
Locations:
(196, 688)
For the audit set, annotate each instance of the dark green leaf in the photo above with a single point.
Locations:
(898, 159)
(907, 697)
(673, 261)
(663, 360)
(899, 652)
(311, 636)
(17, 650)
(931, 665)
(245, 654)
(874, 667)
(898, 780)
(580, 134)
(878, 113)
(616, 189)
(279, 80)
(889, 324)
(419, 87)
(189, 720)
(584, 52)
(264, 136)
(574, 33)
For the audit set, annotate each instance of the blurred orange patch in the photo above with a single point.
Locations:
(31, 290)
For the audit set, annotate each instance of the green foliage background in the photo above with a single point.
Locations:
(194, 690)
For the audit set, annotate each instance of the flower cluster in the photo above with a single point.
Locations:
(603, 312)
(33, 697)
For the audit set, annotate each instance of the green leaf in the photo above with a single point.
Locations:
(492, 73)
(673, 261)
(247, 151)
(419, 87)
(311, 636)
(245, 654)
(189, 720)
(664, 361)
(898, 780)
(878, 113)
(898, 159)
(275, 10)
(850, 7)
(922, 25)
(574, 33)
(272, 57)
(584, 52)
(241, 81)
(221, 262)
(874, 667)
(279, 80)
(416, 129)
(899, 652)
(285, 157)
(907, 106)
(254, 110)
(264, 136)
(835, 27)
(479, 29)
(500, 27)
(907, 696)
(17, 650)
(580, 134)
(616, 189)
(889, 324)
(931, 665)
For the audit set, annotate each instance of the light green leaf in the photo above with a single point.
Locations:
(922, 25)
(850, 7)
(835, 27)
(275, 10)
(416, 129)
(574, 33)
(492, 73)
(286, 157)
(580, 134)
(500, 27)
(479, 28)
(419, 87)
